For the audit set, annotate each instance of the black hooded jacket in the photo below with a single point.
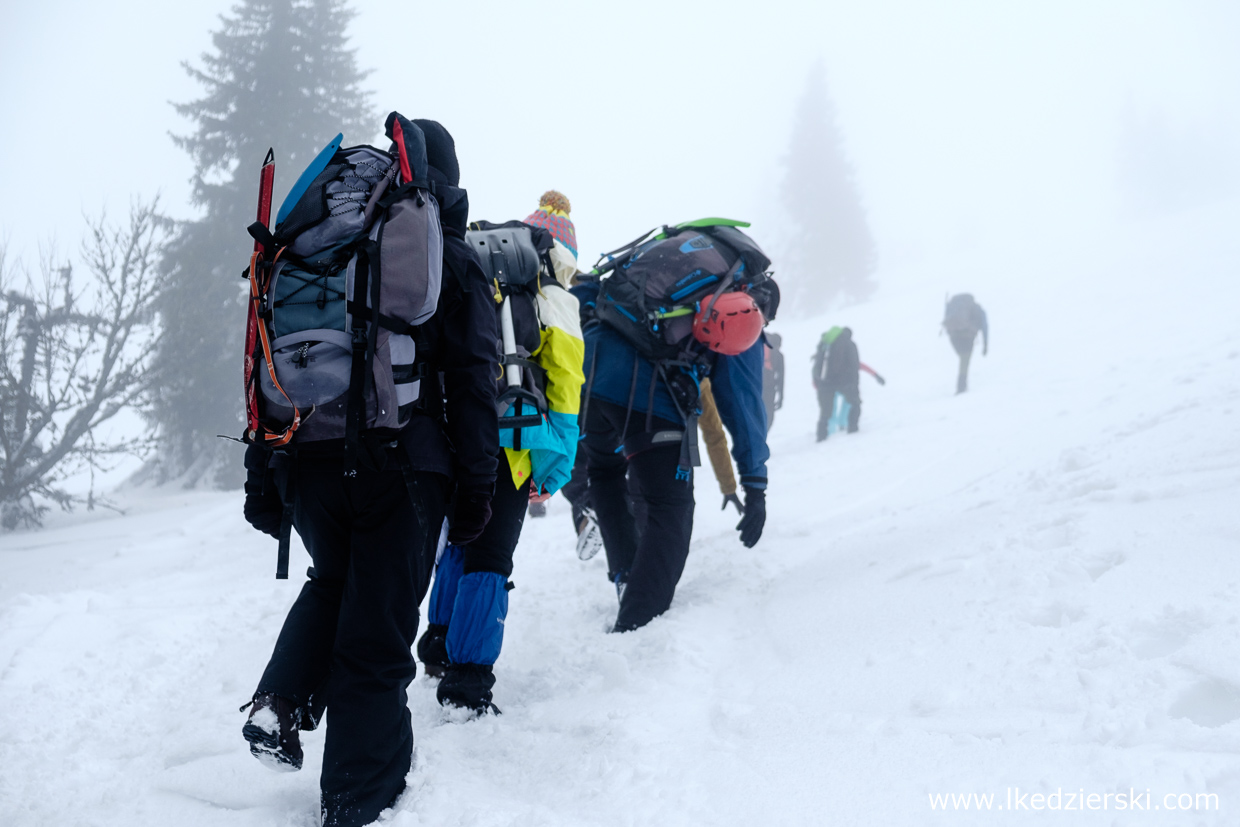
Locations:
(843, 362)
(458, 432)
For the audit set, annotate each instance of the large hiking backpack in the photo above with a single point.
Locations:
(651, 287)
(338, 290)
(516, 259)
(960, 313)
(649, 291)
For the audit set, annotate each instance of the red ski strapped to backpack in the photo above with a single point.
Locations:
(254, 328)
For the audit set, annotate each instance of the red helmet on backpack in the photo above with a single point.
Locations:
(728, 324)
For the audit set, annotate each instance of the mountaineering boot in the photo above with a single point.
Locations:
(468, 686)
(589, 537)
(433, 650)
(271, 730)
(474, 640)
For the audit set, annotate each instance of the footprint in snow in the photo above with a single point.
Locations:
(1210, 703)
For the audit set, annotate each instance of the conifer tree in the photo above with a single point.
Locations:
(280, 75)
(831, 253)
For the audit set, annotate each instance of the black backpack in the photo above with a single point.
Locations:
(516, 258)
(650, 289)
(960, 313)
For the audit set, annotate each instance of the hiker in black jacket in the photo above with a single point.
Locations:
(346, 643)
(963, 319)
(837, 369)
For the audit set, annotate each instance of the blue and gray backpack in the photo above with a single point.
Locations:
(351, 270)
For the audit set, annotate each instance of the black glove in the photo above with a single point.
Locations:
(880, 379)
(264, 513)
(263, 508)
(470, 514)
(735, 500)
(751, 524)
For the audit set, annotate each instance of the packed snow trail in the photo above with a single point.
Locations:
(1033, 585)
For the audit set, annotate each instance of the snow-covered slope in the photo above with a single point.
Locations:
(1034, 586)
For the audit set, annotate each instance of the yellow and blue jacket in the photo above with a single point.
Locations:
(547, 452)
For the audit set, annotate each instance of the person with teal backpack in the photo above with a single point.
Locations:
(370, 395)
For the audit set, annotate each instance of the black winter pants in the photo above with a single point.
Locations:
(577, 489)
(348, 636)
(826, 406)
(648, 552)
(962, 343)
(493, 549)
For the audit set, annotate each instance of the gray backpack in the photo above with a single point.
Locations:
(354, 266)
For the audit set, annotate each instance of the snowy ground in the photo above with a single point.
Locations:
(1035, 586)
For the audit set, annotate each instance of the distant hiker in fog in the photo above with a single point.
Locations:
(772, 378)
(837, 370)
(963, 318)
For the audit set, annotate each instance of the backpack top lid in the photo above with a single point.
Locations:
(959, 308)
(510, 253)
(335, 197)
(311, 172)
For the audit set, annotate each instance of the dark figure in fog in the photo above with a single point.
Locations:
(963, 319)
(837, 369)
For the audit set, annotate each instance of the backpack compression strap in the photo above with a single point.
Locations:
(362, 370)
(271, 438)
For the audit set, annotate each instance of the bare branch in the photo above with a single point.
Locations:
(73, 356)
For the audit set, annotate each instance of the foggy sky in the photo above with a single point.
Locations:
(970, 124)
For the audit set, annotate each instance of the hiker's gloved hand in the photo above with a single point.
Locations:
(264, 511)
(735, 500)
(470, 514)
(751, 524)
(880, 379)
(263, 508)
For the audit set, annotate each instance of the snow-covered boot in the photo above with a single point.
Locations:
(589, 537)
(272, 732)
(475, 637)
(468, 686)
